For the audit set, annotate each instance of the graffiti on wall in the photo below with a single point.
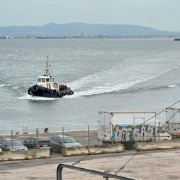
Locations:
(132, 133)
(104, 133)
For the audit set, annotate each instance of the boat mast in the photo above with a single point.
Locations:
(47, 73)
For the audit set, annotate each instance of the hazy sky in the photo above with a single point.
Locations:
(159, 14)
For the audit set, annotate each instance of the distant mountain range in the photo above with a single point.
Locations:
(82, 29)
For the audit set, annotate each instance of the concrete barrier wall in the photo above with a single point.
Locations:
(143, 146)
(102, 149)
(93, 150)
(19, 155)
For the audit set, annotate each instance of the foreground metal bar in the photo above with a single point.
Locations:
(92, 171)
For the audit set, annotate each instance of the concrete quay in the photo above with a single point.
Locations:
(146, 165)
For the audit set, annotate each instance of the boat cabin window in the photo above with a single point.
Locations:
(43, 80)
(52, 79)
(47, 80)
(39, 79)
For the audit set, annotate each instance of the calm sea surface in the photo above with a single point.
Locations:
(107, 74)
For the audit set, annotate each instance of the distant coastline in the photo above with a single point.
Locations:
(82, 30)
(88, 37)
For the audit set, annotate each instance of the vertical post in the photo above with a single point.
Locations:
(88, 139)
(159, 131)
(144, 129)
(37, 138)
(111, 125)
(11, 140)
(135, 138)
(63, 132)
(59, 172)
(166, 123)
(177, 125)
(155, 128)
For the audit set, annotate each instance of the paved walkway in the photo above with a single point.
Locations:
(150, 166)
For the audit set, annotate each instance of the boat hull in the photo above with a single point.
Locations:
(40, 91)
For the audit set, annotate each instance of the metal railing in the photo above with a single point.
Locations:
(86, 136)
(92, 171)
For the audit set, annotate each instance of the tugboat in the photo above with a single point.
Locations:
(46, 87)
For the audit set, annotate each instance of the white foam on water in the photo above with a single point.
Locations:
(101, 83)
(95, 78)
(172, 86)
(35, 98)
(15, 87)
(3, 85)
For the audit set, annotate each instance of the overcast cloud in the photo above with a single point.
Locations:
(158, 14)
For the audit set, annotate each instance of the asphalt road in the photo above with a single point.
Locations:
(58, 159)
(146, 165)
(55, 159)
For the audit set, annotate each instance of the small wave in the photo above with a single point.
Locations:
(149, 88)
(5, 85)
(2, 85)
(9, 86)
(172, 86)
(33, 98)
(15, 87)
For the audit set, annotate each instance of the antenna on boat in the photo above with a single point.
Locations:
(47, 73)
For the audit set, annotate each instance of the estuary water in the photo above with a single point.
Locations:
(105, 75)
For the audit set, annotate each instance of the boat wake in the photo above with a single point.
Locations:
(113, 81)
(121, 78)
(36, 98)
